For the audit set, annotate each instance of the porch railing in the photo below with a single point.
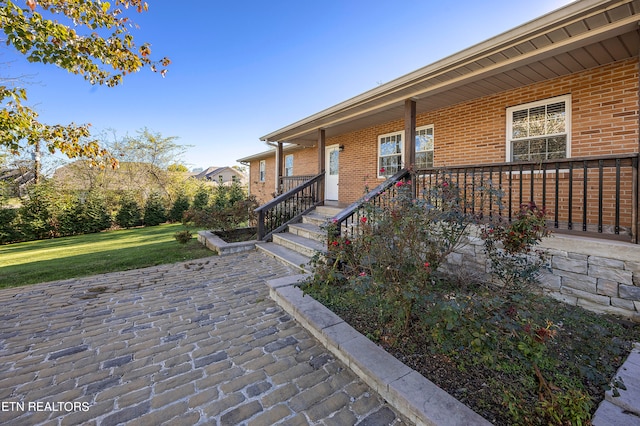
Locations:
(288, 207)
(348, 220)
(287, 183)
(590, 195)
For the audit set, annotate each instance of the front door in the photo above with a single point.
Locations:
(332, 166)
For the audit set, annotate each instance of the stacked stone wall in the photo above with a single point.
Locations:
(599, 275)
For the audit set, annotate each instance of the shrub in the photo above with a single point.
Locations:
(229, 209)
(9, 226)
(95, 215)
(510, 248)
(397, 248)
(41, 210)
(183, 237)
(180, 205)
(201, 198)
(154, 210)
(129, 214)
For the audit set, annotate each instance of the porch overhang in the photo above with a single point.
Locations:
(577, 37)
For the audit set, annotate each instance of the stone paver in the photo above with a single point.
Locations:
(198, 342)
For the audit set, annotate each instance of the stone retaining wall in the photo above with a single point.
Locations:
(599, 275)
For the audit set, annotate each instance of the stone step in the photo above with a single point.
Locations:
(286, 256)
(327, 211)
(302, 245)
(315, 219)
(308, 230)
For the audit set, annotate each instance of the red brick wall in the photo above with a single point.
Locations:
(604, 120)
(263, 190)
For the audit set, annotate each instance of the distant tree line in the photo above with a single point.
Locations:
(50, 212)
(148, 188)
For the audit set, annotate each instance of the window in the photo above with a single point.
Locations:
(288, 165)
(234, 178)
(539, 130)
(263, 170)
(389, 154)
(424, 147)
(220, 179)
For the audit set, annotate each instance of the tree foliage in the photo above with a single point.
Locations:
(88, 38)
(154, 211)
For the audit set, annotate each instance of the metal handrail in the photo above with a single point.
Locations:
(286, 208)
(348, 214)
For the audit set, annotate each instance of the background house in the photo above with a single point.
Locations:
(222, 175)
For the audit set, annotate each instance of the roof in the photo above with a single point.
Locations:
(211, 171)
(269, 153)
(579, 36)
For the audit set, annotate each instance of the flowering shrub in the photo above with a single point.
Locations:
(384, 274)
(397, 248)
(510, 248)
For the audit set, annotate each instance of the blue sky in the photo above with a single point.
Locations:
(241, 70)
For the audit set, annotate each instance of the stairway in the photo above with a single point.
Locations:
(302, 240)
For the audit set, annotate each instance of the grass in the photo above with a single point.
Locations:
(83, 255)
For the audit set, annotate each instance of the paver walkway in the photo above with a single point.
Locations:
(198, 342)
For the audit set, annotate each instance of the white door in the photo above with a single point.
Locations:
(332, 166)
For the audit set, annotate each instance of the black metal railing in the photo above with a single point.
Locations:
(288, 207)
(590, 195)
(349, 219)
(593, 196)
(287, 183)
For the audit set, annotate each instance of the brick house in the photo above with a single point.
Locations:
(546, 112)
(549, 109)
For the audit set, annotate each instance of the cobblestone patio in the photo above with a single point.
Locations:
(192, 343)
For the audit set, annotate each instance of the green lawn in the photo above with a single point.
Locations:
(61, 258)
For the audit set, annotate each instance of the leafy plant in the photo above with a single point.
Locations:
(183, 237)
(179, 207)
(510, 247)
(229, 208)
(130, 214)
(154, 211)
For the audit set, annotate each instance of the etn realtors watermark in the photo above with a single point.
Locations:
(66, 407)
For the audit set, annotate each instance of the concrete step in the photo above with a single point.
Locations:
(327, 211)
(309, 230)
(302, 245)
(315, 219)
(286, 256)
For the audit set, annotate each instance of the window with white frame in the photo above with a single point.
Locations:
(263, 170)
(539, 130)
(389, 154)
(424, 147)
(288, 165)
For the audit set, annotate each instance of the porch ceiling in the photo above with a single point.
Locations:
(582, 35)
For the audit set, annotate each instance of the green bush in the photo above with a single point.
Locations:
(180, 205)
(10, 231)
(154, 211)
(41, 211)
(201, 198)
(229, 209)
(510, 247)
(183, 237)
(398, 246)
(95, 215)
(130, 213)
(385, 274)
